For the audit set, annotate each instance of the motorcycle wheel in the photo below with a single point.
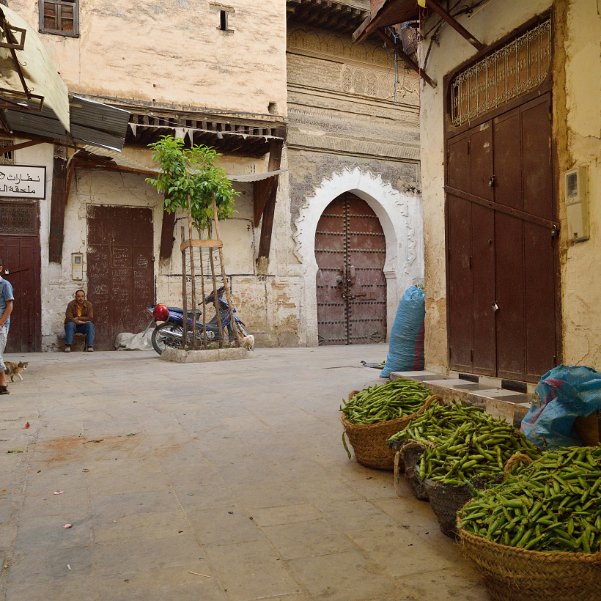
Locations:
(160, 337)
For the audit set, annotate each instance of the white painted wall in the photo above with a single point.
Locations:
(400, 216)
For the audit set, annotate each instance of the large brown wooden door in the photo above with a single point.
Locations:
(120, 270)
(350, 249)
(20, 250)
(501, 245)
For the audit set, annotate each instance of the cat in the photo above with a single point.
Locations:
(13, 369)
(248, 342)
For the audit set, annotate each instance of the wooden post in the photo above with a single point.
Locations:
(216, 299)
(193, 276)
(225, 282)
(202, 290)
(184, 291)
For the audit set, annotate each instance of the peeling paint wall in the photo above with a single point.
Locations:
(578, 115)
(172, 52)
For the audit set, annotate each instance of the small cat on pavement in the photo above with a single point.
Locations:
(13, 369)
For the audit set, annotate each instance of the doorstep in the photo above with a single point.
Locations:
(499, 402)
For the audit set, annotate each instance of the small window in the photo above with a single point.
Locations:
(6, 157)
(226, 15)
(60, 17)
(223, 20)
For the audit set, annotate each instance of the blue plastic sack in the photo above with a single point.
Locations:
(406, 346)
(562, 394)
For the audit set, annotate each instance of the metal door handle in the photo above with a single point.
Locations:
(495, 307)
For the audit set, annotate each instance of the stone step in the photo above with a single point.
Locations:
(506, 404)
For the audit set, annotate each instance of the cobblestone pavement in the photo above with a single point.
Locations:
(208, 482)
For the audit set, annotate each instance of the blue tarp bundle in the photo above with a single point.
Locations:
(562, 394)
(406, 347)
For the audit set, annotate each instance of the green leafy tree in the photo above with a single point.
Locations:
(189, 180)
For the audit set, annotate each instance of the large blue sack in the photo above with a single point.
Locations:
(562, 394)
(406, 346)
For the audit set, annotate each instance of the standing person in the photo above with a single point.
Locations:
(6, 308)
(79, 317)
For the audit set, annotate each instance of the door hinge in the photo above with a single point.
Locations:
(471, 355)
(470, 262)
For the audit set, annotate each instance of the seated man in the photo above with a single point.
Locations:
(79, 317)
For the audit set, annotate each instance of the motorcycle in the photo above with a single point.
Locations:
(169, 331)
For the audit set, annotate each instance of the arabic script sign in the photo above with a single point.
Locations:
(22, 181)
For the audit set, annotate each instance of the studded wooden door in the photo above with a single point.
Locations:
(20, 251)
(120, 270)
(350, 249)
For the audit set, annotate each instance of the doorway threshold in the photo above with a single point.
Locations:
(486, 393)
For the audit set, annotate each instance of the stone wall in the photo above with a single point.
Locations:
(172, 52)
(353, 126)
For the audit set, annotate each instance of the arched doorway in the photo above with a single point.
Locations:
(350, 250)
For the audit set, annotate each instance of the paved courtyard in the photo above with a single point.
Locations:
(208, 482)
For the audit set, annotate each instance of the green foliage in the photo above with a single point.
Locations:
(189, 178)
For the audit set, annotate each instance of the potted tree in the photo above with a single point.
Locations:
(191, 182)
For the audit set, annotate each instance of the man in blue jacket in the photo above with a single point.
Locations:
(6, 308)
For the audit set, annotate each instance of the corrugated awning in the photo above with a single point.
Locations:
(109, 159)
(34, 100)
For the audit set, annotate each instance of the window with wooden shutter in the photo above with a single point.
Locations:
(59, 17)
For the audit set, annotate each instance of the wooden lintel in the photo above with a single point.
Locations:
(22, 145)
(167, 235)
(200, 244)
(262, 190)
(275, 160)
(110, 166)
(462, 31)
(58, 203)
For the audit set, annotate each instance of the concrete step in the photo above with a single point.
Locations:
(499, 402)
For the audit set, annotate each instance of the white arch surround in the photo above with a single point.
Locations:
(400, 215)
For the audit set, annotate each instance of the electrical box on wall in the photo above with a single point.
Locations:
(576, 194)
(77, 266)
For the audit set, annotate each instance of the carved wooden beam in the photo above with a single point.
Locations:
(275, 160)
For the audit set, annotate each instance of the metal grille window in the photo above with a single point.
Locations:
(59, 17)
(515, 69)
(18, 218)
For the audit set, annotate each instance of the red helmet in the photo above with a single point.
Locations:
(160, 313)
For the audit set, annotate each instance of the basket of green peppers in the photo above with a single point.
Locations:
(537, 536)
(372, 415)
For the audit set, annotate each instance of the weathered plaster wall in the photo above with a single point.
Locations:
(173, 53)
(578, 113)
(490, 23)
(267, 303)
(353, 126)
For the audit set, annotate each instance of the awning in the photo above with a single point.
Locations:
(93, 158)
(390, 12)
(35, 102)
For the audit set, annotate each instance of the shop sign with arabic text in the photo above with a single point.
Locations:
(22, 181)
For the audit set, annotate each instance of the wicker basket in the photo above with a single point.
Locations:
(446, 501)
(410, 454)
(369, 441)
(514, 574)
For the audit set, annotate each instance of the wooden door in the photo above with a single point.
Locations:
(501, 246)
(350, 249)
(20, 251)
(120, 270)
